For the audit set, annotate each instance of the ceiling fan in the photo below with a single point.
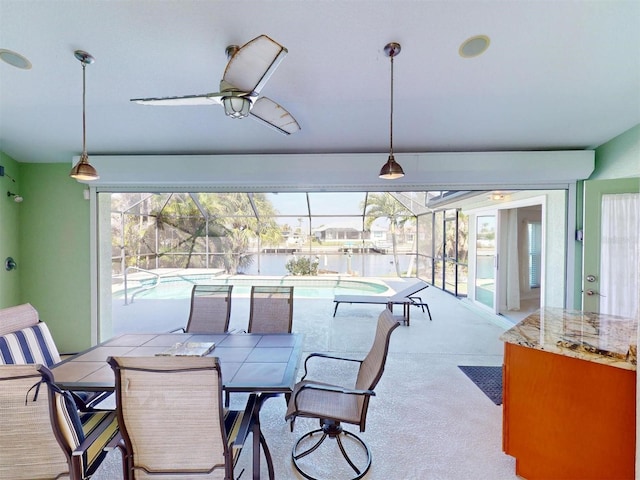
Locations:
(248, 70)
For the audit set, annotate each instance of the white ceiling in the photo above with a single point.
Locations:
(557, 75)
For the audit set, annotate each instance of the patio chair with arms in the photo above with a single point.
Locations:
(172, 420)
(334, 404)
(210, 309)
(271, 309)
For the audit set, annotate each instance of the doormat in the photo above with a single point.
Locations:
(488, 379)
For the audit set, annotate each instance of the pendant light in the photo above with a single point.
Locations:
(83, 170)
(392, 169)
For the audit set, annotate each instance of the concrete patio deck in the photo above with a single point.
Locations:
(427, 421)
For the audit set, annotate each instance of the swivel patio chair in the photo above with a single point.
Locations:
(271, 309)
(172, 420)
(334, 404)
(43, 436)
(210, 309)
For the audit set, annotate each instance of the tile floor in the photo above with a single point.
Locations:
(428, 420)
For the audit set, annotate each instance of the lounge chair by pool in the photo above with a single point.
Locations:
(406, 298)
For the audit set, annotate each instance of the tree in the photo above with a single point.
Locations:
(170, 225)
(384, 205)
(234, 213)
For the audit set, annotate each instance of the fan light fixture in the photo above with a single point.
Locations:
(83, 170)
(392, 169)
(236, 107)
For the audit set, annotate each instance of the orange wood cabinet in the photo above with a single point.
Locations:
(566, 418)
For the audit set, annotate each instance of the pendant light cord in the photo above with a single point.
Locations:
(391, 122)
(84, 125)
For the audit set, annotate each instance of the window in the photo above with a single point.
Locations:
(534, 232)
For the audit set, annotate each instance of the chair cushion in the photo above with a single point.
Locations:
(105, 425)
(29, 345)
(35, 344)
(76, 427)
(232, 421)
(69, 420)
(18, 317)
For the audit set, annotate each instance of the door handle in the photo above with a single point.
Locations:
(591, 292)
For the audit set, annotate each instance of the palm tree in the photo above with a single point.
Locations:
(384, 205)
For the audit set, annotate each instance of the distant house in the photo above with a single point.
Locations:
(340, 231)
(351, 231)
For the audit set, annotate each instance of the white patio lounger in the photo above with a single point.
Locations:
(406, 298)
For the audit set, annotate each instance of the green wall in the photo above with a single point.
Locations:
(619, 157)
(10, 213)
(54, 252)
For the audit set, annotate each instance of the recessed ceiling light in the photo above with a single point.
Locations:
(14, 59)
(474, 46)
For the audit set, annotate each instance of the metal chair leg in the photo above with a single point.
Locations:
(331, 430)
(267, 456)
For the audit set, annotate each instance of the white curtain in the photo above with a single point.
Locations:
(620, 255)
(513, 260)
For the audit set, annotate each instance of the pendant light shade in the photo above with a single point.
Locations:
(83, 170)
(392, 169)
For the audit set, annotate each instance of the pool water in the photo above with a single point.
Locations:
(180, 287)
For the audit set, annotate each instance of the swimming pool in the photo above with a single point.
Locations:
(179, 286)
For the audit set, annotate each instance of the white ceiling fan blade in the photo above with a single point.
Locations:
(273, 115)
(253, 64)
(205, 99)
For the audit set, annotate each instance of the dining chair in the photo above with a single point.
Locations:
(271, 309)
(172, 420)
(210, 309)
(43, 435)
(337, 403)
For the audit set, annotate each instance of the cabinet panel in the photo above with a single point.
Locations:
(566, 418)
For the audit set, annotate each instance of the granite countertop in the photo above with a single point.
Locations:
(595, 337)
